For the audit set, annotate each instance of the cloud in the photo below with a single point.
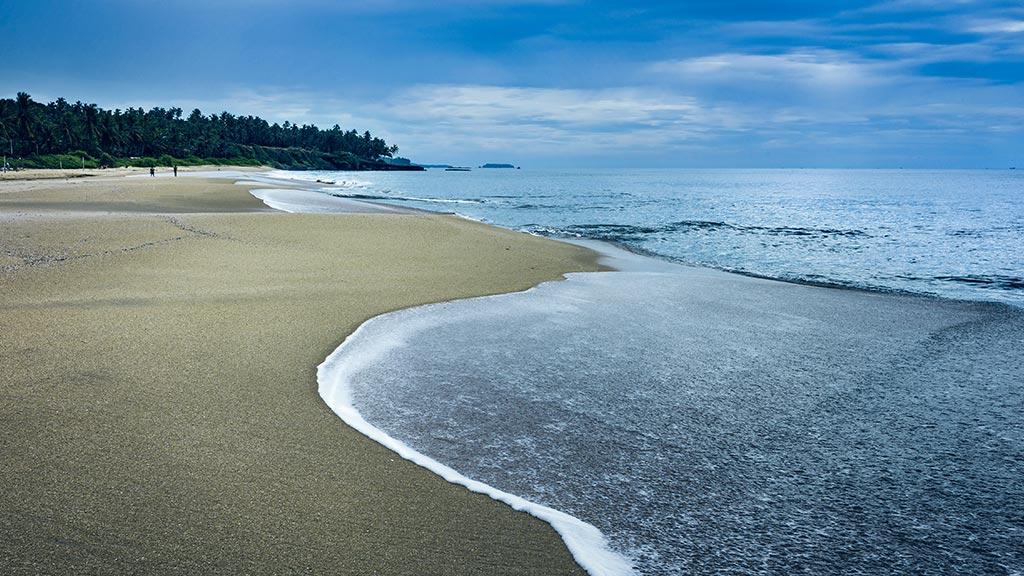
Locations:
(450, 122)
(515, 78)
(894, 6)
(439, 119)
(808, 68)
(997, 26)
(544, 106)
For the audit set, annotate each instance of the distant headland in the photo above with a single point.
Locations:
(453, 167)
(65, 135)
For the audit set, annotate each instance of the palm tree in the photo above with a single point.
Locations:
(92, 127)
(7, 134)
(24, 118)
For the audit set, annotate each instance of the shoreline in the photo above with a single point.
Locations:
(878, 334)
(584, 241)
(585, 542)
(144, 437)
(966, 261)
(577, 239)
(367, 344)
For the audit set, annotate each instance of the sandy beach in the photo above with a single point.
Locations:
(159, 407)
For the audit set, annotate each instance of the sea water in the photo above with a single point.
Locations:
(708, 422)
(953, 233)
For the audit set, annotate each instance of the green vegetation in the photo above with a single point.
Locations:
(63, 135)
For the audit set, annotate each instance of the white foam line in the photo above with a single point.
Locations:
(586, 543)
(271, 203)
(470, 218)
(308, 201)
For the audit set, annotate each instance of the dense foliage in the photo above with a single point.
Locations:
(70, 135)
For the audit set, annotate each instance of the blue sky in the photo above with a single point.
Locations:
(789, 83)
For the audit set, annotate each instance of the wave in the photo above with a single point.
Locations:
(737, 244)
(994, 281)
(367, 345)
(597, 434)
(626, 231)
(528, 206)
(987, 231)
(311, 202)
(316, 178)
(548, 231)
(359, 196)
(585, 542)
(470, 218)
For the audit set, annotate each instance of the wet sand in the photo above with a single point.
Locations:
(158, 396)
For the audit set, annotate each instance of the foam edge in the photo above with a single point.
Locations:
(585, 542)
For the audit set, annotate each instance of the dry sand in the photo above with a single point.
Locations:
(73, 174)
(158, 402)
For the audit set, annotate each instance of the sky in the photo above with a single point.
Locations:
(561, 83)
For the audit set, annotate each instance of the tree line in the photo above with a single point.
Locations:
(34, 134)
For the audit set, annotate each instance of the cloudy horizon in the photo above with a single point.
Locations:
(899, 83)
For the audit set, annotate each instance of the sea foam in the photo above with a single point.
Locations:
(586, 543)
(369, 343)
(308, 202)
(701, 421)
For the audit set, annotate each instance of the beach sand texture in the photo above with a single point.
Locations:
(158, 397)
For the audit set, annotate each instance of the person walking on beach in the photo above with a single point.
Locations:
(175, 170)
(152, 171)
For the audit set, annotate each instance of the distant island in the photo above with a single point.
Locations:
(64, 135)
(495, 165)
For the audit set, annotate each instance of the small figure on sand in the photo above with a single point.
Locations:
(152, 171)
(175, 170)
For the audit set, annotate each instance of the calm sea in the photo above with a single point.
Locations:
(714, 423)
(958, 234)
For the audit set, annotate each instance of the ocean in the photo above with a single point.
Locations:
(706, 422)
(951, 233)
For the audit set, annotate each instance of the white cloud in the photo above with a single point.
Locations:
(996, 26)
(452, 122)
(541, 106)
(439, 119)
(915, 5)
(823, 69)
